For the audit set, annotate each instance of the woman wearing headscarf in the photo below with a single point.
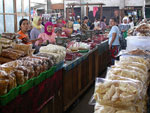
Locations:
(124, 27)
(37, 27)
(48, 36)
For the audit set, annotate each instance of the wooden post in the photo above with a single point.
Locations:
(4, 16)
(72, 11)
(121, 15)
(87, 10)
(15, 15)
(101, 11)
(29, 10)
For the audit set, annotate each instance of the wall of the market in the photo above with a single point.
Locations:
(147, 2)
(115, 3)
(109, 4)
(67, 2)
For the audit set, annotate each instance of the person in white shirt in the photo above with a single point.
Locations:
(96, 24)
(131, 22)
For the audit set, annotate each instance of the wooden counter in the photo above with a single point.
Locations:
(79, 75)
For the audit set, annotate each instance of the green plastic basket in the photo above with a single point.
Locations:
(12, 94)
(83, 51)
(50, 72)
(37, 80)
(25, 87)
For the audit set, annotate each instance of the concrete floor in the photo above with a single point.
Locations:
(81, 105)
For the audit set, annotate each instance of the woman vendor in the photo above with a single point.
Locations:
(37, 27)
(84, 26)
(48, 36)
(23, 31)
(114, 43)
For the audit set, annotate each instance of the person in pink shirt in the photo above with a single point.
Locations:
(47, 36)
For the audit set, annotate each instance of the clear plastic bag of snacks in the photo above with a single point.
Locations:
(133, 64)
(137, 108)
(117, 93)
(3, 86)
(128, 74)
(136, 59)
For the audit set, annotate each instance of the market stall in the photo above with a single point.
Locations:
(125, 88)
(79, 75)
(59, 82)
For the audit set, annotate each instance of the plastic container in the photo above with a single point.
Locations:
(12, 94)
(25, 87)
(59, 66)
(135, 42)
(50, 72)
(37, 80)
(83, 51)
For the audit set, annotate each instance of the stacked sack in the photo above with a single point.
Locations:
(15, 73)
(58, 52)
(124, 90)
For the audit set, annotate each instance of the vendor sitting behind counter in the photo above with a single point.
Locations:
(23, 32)
(84, 26)
(47, 36)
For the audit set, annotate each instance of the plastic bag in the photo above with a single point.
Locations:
(25, 70)
(14, 64)
(20, 79)
(118, 93)
(3, 75)
(50, 58)
(3, 86)
(37, 63)
(133, 64)
(129, 74)
(137, 108)
(136, 59)
(26, 48)
(117, 77)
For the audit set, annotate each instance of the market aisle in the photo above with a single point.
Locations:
(82, 106)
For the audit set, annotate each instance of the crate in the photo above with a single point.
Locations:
(12, 94)
(83, 51)
(37, 80)
(59, 66)
(50, 72)
(25, 87)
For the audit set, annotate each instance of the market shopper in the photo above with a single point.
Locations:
(84, 26)
(23, 31)
(78, 19)
(114, 43)
(124, 27)
(103, 25)
(60, 22)
(131, 23)
(48, 36)
(96, 24)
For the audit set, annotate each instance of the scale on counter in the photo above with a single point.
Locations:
(61, 41)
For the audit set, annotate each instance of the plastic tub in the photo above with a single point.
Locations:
(50, 72)
(25, 87)
(135, 42)
(12, 94)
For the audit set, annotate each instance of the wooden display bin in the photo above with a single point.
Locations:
(77, 80)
